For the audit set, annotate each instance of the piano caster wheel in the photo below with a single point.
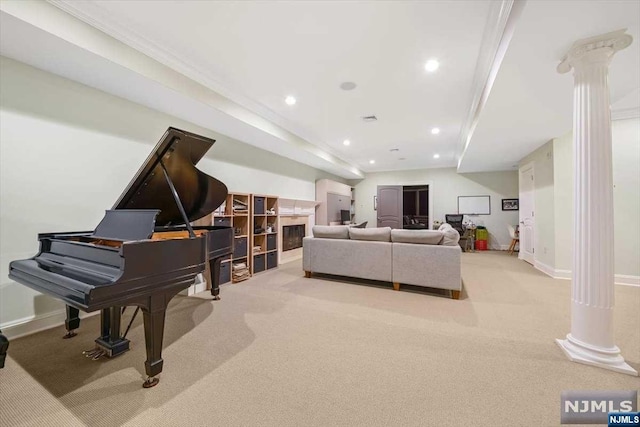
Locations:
(216, 297)
(150, 382)
(70, 334)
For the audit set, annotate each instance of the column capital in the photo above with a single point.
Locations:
(594, 49)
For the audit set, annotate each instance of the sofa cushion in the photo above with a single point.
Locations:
(381, 234)
(361, 225)
(423, 237)
(331, 231)
(451, 235)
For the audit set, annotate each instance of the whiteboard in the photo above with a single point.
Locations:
(474, 205)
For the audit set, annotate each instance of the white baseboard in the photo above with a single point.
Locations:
(200, 285)
(546, 269)
(624, 279)
(619, 279)
(36, 323)
(562, 274)
(40, 322)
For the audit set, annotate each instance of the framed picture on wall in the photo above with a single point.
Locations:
(510, 204)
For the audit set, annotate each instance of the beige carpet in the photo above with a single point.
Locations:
(282, 350)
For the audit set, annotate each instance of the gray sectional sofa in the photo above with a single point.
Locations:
(428, 258)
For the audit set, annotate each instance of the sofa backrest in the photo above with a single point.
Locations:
(379, 234)
(445, 235)
(422, 237)
(331, 231)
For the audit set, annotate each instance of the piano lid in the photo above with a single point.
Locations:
(199, 193)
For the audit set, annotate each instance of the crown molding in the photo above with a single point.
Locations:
(94, 15)
(499, 30)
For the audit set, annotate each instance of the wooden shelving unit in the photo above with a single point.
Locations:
(238, 219)
(254, 219)
(239, 207)
(264, 233)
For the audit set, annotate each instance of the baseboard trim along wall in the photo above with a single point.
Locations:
(32, 324)
(200, 285)
(549, 271)
(619, 279)
(39, 322)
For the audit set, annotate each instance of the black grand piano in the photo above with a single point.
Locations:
(143, 252)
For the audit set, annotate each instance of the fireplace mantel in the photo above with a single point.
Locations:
(295, 207)
(295, 212)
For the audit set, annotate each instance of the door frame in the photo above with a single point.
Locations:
(428, 184)
(529, 165)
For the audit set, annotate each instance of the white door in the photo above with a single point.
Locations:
(527, 214)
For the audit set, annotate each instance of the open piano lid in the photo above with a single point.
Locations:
(199, 193)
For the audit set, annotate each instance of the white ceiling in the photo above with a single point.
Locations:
(257, 53)
(530, 102)
(48, 38)
(243, 58)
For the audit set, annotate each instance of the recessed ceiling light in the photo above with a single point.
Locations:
(435, 131)
(371, 162)
(431, 65)
(290, 100)
(436, 156)
(346, 142)
(347, 85)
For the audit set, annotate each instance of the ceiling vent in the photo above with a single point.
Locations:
(370, 118)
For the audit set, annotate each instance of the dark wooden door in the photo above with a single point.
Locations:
(390, 206)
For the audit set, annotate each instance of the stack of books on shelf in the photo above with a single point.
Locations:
(240, 272)
(240, 206)
(221, 209)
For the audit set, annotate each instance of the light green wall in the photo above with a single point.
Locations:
(542, 160)
(445, 185)
(563, 200)
(554, 199)
(626, 197)
(67, 151)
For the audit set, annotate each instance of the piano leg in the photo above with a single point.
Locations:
(214, 277)
(72, 322)
(111, 343)
(4, 346)
(153, 333)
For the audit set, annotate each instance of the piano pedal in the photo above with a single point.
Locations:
(151, 382)
(98, 355)
(90, 354)
(69, 334)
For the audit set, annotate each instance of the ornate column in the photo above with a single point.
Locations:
(591, 338)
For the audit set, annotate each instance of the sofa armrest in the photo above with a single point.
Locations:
(306, 253)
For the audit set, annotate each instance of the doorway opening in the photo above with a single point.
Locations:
(404, 206)
(527, 214)
(415, 206)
